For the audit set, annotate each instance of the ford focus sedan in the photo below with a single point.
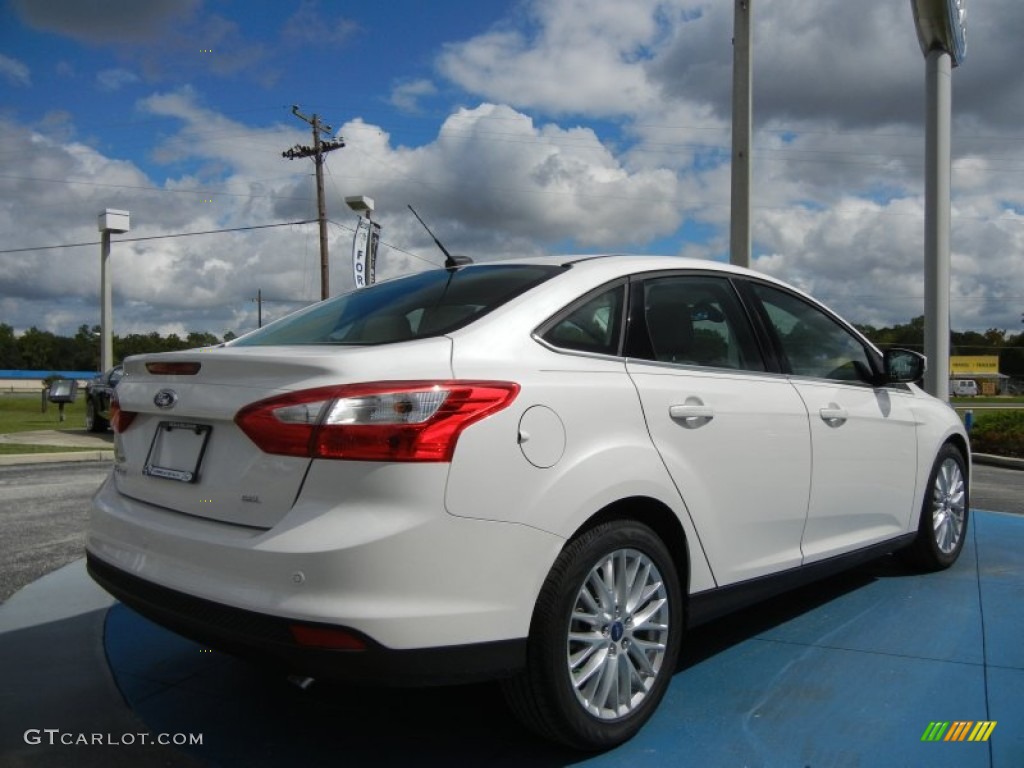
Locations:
(543, 472)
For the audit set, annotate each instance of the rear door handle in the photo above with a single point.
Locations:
(692, 415)
(833, 415)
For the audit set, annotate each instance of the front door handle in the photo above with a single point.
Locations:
(833, 415)
(692, 414)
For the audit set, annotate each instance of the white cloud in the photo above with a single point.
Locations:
(114, 79)
(310, 25)
(14, 72)
(572, 57)
(582, 126)
(405, 96)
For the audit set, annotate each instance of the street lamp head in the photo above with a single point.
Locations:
(940, 26)
(360, 204)
(115, 221)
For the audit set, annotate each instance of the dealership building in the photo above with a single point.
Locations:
(984, 369)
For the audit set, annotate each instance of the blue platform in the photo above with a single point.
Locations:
(849, 672)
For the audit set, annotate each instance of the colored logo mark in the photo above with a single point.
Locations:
(959, 730)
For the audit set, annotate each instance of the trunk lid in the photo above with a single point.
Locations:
(183, 451)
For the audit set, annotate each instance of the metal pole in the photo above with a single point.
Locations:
(739, 222)
(937, 222)
(106, 312)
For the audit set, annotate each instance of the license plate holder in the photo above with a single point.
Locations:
(177, 450)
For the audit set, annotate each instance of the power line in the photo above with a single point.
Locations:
(192, 191)
(389, 245)
(159, 237)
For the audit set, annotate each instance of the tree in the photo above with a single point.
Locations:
(86, 349)
(196, 339)
(909, 336)
(38, 349)
(10, 355)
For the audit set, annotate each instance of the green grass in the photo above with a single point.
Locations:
(22, 413)
(17, 449)
(967, 402)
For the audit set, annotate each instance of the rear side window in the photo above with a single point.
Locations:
(426, 304)
(593, 326)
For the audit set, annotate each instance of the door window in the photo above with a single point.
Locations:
(697, 320)
(814, 344)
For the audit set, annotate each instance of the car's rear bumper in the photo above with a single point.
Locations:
(419, 585)
(269, 640)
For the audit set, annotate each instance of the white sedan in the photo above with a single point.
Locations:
(541, 471)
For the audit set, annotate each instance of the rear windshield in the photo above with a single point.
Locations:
(425, 304)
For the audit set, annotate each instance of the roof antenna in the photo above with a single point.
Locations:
(450, 262)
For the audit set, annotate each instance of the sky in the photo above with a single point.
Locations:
(514, 127)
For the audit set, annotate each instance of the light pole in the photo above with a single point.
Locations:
(110, 220)
(742, 123)
(940, 30)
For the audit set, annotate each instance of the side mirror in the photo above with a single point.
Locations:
(903, 365)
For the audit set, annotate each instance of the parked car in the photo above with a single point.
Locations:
(98, 394)
(542, 471)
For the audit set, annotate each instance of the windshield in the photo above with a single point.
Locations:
(425, 304)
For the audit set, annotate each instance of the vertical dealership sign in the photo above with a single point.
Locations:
(364, 252)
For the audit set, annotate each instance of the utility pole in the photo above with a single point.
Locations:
(320, 148)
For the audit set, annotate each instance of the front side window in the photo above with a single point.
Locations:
(813, 343)
(417, 306)
(696, 320)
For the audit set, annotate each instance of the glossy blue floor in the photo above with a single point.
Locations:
(849, 672)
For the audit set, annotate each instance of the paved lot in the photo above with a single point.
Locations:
(850, 672)
(43, 513)
(845, 673)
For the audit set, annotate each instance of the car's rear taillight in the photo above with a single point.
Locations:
(380, 421)
(120, 419)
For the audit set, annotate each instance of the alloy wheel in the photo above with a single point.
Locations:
(618, 634)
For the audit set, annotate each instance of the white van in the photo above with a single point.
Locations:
(963, 387)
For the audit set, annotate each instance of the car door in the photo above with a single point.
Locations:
(733, 436)
(863, 437)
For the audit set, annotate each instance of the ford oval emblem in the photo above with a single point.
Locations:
(165, 398)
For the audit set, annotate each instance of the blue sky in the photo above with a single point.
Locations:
(515, 127)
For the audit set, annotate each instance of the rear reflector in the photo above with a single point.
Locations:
(380, 421)
(327, 637)
(173, 369)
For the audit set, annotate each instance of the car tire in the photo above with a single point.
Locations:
(604, 640)
(944, 513)
(93, 421)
